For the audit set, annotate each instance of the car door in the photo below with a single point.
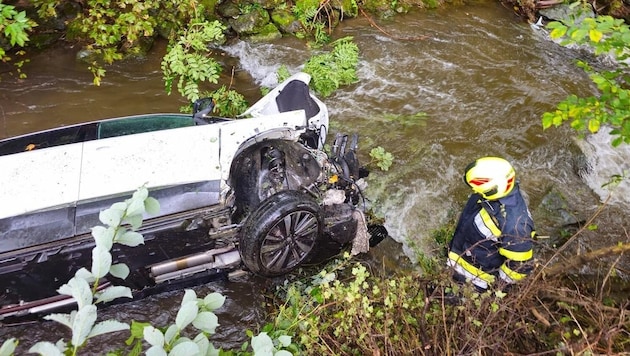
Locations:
(40, 186)
(180, 167)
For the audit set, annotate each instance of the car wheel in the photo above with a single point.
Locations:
(281, 233)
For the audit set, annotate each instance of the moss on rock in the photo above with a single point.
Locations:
(266, 34)
(251, 23)
(285, 20)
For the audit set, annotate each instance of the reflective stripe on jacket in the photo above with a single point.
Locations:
(493, 239)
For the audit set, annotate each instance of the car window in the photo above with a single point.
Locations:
(141, 124)
(50, 138)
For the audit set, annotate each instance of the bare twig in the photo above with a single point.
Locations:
(579, 260)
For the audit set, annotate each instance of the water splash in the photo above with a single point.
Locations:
(262, 60)
(604, 164)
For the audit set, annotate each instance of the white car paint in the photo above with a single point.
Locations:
(39, 179)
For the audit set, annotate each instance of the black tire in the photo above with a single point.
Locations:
(281, 233)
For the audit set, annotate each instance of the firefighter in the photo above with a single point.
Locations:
(492, 243)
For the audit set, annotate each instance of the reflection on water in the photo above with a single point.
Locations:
(481, 80)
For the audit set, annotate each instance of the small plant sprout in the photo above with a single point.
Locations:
(382, 158)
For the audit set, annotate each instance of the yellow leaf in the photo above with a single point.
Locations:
(595, 35)
(593, 125)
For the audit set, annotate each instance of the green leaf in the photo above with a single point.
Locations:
(186, 314)
(153, 336)
(213, 301)
(206, 322)
(63, 319)
(137, 329)
(8, 347)
(284, 340)
(45, 348)
(82, 324)
(152, 206)
(185, 348)
(103, 236)
(119, 270)
(156, 351)
(107, 326)
(101, 262)
(113, 292)
(79, 289)
(547, 120)
(579, 34)
(170, 334)
(130, 238)
(111, 217)
(262, 344)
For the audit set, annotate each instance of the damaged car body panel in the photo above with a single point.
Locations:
(249, 192)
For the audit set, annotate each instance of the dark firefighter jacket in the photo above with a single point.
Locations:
(493, 239)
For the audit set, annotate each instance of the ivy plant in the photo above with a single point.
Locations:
(606, 36)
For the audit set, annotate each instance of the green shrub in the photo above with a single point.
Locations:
(606, 36)
(330, 70)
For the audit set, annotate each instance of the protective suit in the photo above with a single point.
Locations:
(493, 238)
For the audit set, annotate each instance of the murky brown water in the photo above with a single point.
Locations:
(482, 79)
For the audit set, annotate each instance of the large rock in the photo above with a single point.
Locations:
(567, 13)
(285, 20)
(251, 23)
(268, 33)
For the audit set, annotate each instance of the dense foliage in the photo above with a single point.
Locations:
(14, 28)
(333, 69)
(188, 62)
(348, 310)
(607, 37)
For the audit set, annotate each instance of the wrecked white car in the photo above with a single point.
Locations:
(257, 192)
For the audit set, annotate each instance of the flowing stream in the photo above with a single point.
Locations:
(475, 85)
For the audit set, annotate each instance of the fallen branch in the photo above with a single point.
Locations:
(579, 260)
(580, 300)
